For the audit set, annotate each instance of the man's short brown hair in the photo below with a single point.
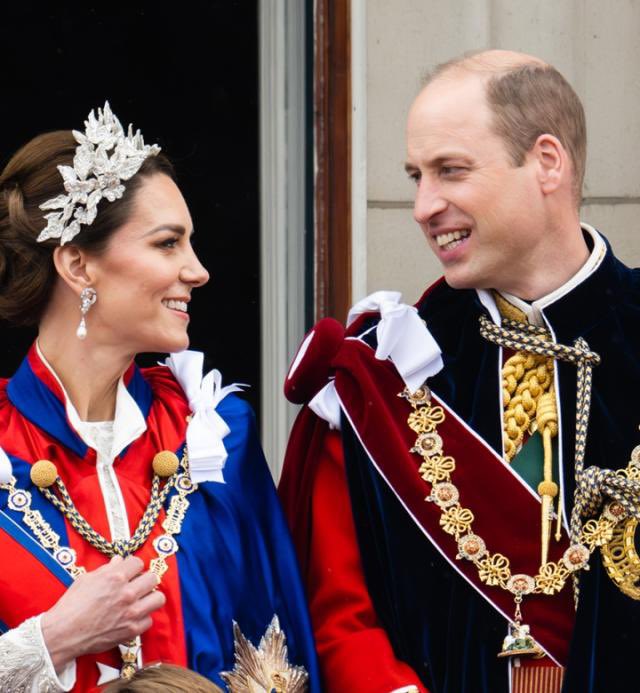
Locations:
(527, 100)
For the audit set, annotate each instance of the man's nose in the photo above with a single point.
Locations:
(429, 201)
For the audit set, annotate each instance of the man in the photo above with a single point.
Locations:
(448, 533)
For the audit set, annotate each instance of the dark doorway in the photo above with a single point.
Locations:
(187, 76)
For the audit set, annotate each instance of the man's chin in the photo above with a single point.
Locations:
(457, 280)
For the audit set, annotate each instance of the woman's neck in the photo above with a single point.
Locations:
(89, 373)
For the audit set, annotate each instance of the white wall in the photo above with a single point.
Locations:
(594, 44)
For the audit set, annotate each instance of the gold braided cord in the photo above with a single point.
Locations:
(507, 309)
(525, 378)
(529, 403)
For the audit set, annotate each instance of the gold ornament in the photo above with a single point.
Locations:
(44, 473)
(264, 669)
(619, 555)
(435, 469)
(165, 463)
(551, 577)
(425, 420)
(620, 558)
(597, 532)
(456, 520)
(495, 570)
(548, 488)
(129, 656)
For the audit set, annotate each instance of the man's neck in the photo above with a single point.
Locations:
(532, 309)
(550, 267)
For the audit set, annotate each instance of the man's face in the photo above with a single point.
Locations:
(479, 213)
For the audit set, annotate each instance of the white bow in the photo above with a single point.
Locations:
(207, 454)
(402, 336)
(6, 469)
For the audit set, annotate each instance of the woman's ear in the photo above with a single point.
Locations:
(71, 264)
(553, 163)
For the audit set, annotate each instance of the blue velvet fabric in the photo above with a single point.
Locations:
(436, 621)
(243, 567)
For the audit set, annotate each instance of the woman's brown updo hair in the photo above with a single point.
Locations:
(27, 272)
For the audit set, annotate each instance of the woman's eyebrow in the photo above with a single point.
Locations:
(176, 228)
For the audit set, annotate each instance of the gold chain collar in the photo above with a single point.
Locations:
(164, 545)
(494, 569)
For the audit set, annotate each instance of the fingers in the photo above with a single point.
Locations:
(150, 603)
(137, 619)
(143, 584)
(130, 566)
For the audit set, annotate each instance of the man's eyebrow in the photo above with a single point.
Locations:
(176, 228)
(438, 161)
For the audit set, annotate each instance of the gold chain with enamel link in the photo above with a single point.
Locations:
(164, 545)
(494, 569)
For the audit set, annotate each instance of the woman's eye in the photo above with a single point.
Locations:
(169, 243)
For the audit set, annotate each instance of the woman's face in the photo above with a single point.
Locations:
(145, 277)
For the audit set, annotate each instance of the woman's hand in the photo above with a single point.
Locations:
(100, 610)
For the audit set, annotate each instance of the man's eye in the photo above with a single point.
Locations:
(415, 177)
(451, 170)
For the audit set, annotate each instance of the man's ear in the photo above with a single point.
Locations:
(71, 264)
(553, 163)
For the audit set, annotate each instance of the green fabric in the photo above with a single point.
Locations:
(529, 462)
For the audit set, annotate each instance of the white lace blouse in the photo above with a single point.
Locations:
(25, 664)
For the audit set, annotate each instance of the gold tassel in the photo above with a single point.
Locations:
(547, 419)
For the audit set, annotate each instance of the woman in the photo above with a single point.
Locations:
(138, 521)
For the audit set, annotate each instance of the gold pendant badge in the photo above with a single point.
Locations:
(264, 669)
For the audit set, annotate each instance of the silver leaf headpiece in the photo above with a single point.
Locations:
(104, 158)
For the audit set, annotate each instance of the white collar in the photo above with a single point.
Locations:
(128, 423)
(534, 310)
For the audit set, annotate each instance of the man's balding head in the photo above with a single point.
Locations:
(527, 98)
(484, 63)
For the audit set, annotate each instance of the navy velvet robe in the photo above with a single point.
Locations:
(436, 622)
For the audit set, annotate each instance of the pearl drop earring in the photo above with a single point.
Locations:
(87, 299)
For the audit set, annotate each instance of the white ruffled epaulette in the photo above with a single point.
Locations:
(206, 430)
(402, 337)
